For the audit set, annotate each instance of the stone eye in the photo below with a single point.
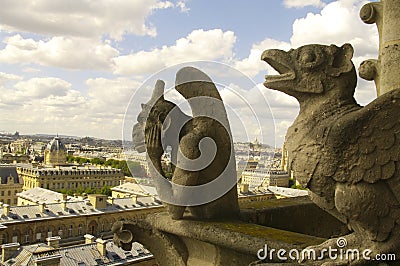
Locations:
(307, 57)
(310, 58)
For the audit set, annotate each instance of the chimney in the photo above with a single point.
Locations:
(244, 188)
(65, 197)
(8, 250)
(64, 205)
(89, 239)
(134, 198)
(6, 209)
(154, 198)
(42, 206)
(53, 242)
(110, 200)
(101, 246)
(49, 260)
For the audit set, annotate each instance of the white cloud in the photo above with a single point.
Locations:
(114, 94)
(303, 3)
(80, 18)
(53, 105)
(5, 77)
(198, 45)
(65, 52)
(337, 23)
(182, 6)
(41, 87)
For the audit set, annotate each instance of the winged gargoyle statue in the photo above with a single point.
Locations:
(345, 154)
(202, 148)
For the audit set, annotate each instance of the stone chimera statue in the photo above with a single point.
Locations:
(345, 154)
(202, 148)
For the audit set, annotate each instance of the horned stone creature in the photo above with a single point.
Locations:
(204, 173)
(345, 154)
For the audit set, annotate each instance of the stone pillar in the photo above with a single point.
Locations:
(384, 71)
(390, 50)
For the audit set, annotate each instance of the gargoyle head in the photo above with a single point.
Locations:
(153, 113)
(311, 70)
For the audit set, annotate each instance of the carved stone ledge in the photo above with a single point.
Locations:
(228, 242)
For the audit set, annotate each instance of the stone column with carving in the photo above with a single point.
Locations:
(384, 71)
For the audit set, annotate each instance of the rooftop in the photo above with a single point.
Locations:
(41, 195)
(134, 188)
(7, 171)
(74, 208)
(85, 254)
(56, 145)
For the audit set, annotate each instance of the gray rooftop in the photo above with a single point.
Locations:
(76, 208)
(85, 254)
(288, 192)
(136, 189)
(41, 195)
(6, 171)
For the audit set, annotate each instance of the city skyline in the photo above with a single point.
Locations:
(72, 68)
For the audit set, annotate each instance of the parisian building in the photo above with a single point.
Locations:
(55, 153)
(10, 184)
(71, 220)
(69, 177)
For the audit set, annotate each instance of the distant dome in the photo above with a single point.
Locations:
(56, 145)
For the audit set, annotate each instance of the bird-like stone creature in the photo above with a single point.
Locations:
(346, 155)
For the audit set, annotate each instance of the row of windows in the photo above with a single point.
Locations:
(72, 185)
(9, 192)
(8, 201)
(27, 237)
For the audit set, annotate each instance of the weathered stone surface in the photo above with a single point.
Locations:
(215, 243)
(386, 15)
(204, 173)
(345, 154)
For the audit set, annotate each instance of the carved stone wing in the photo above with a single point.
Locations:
(373, 150)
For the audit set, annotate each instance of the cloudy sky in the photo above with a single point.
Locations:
(71, 67)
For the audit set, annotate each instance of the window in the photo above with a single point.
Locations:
(2, 193)
(70, 231)
(49, 233)
(38, 237)
(3, 239)
(27, 239)
(80, 230)
(15, 239)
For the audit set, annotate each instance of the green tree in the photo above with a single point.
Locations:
(98, 161)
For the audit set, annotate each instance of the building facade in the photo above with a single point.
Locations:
(265, 177)
(10, 184)
(71, 220)
(69, 177)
